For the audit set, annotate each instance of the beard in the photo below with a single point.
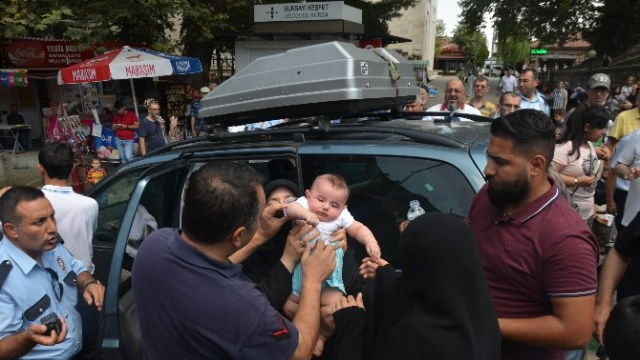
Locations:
(453, 106)
(503, 193)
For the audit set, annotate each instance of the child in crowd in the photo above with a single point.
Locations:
(96, 173)
(325, 205)
(558, 119)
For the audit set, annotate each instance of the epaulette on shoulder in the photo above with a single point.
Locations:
(5, 269)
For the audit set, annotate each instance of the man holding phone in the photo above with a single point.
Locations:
(38, 282)
(125, 125)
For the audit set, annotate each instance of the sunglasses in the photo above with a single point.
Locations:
(58, 289)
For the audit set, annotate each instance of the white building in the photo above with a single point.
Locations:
(418, 24)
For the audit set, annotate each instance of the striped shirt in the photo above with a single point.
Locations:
(559, 97)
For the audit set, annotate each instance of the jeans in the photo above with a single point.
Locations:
(575, 354)
(125, 148)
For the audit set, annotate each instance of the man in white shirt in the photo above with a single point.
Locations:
(77, 219)
(454, 96)
(508, 83)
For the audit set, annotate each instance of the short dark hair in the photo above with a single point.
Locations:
(57, 160)
(220, 198)
(480, 78)
(336, 181)
(622, 329)
(595, 116)
(10, 200)
(118, 104)
(533, 72)
(532, 131)
(505, 94)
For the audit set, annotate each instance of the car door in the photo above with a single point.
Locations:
(154, 201)
(134, 204)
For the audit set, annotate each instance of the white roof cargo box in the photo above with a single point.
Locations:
(332, 79)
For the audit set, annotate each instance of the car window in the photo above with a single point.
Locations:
(382, 187)
(158, 208)
(112, 202)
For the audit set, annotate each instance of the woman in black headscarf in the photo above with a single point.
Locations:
(439, 309)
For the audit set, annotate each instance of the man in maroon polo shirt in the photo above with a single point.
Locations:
(539, 256)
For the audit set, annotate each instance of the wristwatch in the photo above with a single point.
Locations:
(94, 281)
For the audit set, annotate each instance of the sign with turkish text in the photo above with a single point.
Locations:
(45, 54)
(56, 54)
(331, 10)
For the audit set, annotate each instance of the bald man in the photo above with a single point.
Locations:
(454, 95)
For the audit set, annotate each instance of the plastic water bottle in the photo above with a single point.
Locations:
(415, 210)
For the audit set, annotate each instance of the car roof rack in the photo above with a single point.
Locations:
(334, 79)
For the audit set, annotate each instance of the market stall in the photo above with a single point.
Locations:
(126, 63)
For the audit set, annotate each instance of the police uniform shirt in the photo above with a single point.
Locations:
(30, 292)
(538, 103)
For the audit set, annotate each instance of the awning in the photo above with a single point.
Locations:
(13, 77)
(420, 64)
(558, 57)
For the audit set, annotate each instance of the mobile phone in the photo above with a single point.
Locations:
(52, 322)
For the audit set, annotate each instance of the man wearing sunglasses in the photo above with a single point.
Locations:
(38, 281)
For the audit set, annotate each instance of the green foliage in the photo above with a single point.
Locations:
(89, 21)
(610, 25)
(513, 51)
(614, 26)
(441, 28)
(473, 43)
(441, 33)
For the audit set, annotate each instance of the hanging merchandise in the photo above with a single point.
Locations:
(175, 100)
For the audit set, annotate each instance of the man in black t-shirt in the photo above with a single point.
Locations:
(627, 247)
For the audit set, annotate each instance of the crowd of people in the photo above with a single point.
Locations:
(517, 279)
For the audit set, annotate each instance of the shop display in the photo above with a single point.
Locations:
(175, 100)
(90, 99)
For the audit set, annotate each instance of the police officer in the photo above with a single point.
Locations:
(38, 280)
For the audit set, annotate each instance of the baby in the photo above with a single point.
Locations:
(325, 205)
(96, 173)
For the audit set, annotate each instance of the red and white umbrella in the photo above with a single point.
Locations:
(128, 63)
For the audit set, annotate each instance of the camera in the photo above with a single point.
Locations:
(52, 322)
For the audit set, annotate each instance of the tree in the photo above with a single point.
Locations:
(441, 33)
(513, 51)
(610, 25)
(90, 22)
(614, 27)
(206, 25)
(473, 43)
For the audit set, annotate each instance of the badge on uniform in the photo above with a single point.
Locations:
(61, 264)
(283, 333)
